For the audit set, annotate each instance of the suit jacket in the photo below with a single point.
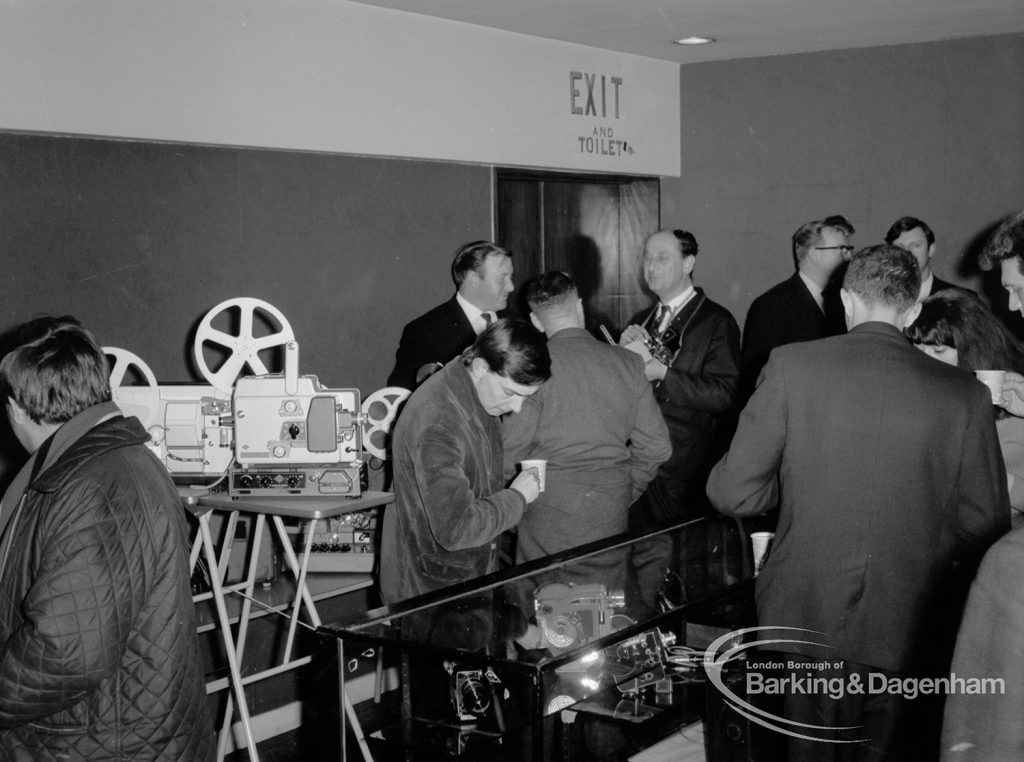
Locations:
(939, 285)
(449, 502)
(700, 389)
(434, 337)
(785, 314)
(888, 467)
(597, 424)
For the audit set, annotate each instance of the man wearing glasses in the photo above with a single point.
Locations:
(803, 307)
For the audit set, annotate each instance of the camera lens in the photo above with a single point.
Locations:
(474, 696)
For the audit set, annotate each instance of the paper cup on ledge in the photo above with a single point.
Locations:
(993, 379)
(540, 465)
(761, 541)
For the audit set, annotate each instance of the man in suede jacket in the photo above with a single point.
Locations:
(450, 502)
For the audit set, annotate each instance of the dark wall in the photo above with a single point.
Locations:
(140, 240)
(931, 130)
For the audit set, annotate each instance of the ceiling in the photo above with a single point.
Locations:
(741, 28)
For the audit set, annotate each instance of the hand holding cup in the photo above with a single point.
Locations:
(994, 380)
(530, 480)
(760, 541)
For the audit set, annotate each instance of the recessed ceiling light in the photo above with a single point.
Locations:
(695, 41)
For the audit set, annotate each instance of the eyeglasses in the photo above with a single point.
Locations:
(843, 249)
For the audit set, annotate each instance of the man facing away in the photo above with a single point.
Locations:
(916, 237)
(98, 656)
(450, 502)
(482, 272)
(597, 424)
(888, 467)
(803, 307)
(694, 378)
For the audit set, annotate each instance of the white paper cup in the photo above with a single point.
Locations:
(993, 379)
(760, 541)
(540, 465)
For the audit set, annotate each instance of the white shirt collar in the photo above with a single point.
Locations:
(926, 287)
(676, 304)
(473, 313)
(814, 288)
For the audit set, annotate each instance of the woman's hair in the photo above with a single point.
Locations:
(959, 319)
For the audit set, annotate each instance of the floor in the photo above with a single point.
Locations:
(687, 745)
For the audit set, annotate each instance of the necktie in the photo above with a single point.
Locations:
(661, 318)
(488, 319)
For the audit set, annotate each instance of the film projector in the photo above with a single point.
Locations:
(266, 434)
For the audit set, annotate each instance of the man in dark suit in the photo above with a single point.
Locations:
(694, 371)
(597, 425)
(888, 467)
(916, 237)
(803, 307)
(482, 272)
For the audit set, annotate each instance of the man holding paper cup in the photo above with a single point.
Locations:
(450, 501)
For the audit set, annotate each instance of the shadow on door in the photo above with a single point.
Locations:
(591, 226)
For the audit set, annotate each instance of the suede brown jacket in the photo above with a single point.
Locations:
(449, 502)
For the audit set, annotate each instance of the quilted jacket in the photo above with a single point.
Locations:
(98, 651)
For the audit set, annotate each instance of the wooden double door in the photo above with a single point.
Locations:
(592, 227)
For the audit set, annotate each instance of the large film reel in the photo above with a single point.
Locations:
(243, 348)
(379, 412)
(142, 401)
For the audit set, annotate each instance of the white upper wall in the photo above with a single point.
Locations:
(330, 75)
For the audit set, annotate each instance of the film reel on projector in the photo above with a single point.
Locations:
(380, 410)
(140, 400)
(243, 347)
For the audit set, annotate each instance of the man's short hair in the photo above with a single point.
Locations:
(810, 233)
(513, 349)
(56, 371)
(884, 275)
(551, 289)
(905, 225)
(1005, 243)
(687, 242)
(470, 258)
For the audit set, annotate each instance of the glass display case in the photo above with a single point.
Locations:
(591, 654)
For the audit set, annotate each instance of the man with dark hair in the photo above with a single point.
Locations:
(916, 237)
(596, 423)
(694, 372)
(803, 307)
(450, 505)
(886, 467)
(98, 656)
(482, 272)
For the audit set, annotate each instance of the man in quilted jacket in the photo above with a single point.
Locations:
(98, 656)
